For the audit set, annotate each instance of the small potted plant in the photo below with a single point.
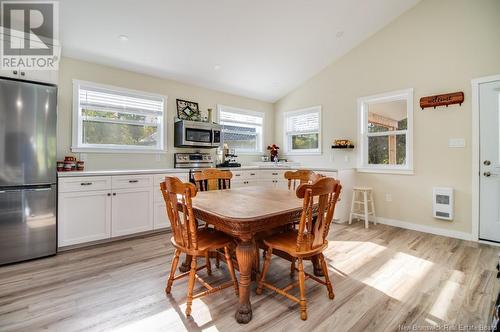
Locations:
(273, 149)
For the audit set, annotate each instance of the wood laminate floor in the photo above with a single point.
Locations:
(385, 279)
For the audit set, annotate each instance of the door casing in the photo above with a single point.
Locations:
(475, 154)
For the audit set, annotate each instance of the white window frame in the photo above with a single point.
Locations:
(363, 102)
(243, 111)
(77, 134)
(287, 136)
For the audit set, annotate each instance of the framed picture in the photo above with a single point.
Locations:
(188, 110)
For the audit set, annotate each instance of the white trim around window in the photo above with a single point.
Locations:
(147, 108)
(290, 130)
(363, 103)
(244, 118)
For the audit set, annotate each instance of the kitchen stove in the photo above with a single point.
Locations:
(195, 162)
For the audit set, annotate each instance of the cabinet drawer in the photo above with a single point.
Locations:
(159, 178)
(252, 174)
(272, 174)
(238, 175)
(84, 183)
(132, 181)
(245, 175)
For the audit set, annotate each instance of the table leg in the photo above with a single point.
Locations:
(186, 265)
(244, 254)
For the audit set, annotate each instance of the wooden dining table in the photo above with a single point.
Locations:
(242, 213)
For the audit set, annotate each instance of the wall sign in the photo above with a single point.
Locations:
(442, 100)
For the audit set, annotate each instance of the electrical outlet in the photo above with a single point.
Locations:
(456, 143)
(388, 197)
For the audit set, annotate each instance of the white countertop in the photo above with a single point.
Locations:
(182, 170)
(122, 172)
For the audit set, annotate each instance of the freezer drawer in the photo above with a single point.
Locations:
(27, 223)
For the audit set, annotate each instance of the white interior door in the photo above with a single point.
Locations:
(489, 184)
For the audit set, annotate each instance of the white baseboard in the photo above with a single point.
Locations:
(425, 229)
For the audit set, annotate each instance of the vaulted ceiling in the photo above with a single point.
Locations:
(261, 49)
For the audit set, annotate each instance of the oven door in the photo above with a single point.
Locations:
(197, 137)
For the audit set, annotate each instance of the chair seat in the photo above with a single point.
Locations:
(208, 239)
(287, 242)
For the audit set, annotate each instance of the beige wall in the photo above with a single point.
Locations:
(436, 47)
(75, 69)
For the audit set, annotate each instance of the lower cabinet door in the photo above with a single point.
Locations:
(282, 184)
(161, 218)
(132, 211)
(83, 217)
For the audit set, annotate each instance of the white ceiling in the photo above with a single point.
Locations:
(264, 48)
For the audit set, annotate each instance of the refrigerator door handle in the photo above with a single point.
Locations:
(39, 189)
(19, 189)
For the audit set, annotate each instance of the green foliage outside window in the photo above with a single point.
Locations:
(305, 141)
(139, 129)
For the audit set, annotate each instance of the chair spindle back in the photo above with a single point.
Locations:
(178, 198)
(212, 179)
(327, 191)
(300, 176)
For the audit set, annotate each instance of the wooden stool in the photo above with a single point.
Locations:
(362, 205)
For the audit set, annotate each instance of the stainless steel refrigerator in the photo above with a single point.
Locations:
(28, 194)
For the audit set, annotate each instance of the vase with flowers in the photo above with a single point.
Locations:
(273, 150)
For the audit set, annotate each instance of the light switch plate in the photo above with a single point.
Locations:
(456, 143)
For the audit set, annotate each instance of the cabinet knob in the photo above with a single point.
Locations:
(133, 181)
(23, 73)
(86, 183)
(109, 194)
(114, 194)
(15, 72)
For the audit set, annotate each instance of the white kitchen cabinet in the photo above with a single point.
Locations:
(101, 207)
(44, 76)
(244, 183)
(85, 183)
(346, 178)
(12, 73)
(132, 211)
(160, 218)
(83, 216)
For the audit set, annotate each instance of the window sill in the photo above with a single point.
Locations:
(124, 151)
(386, 171)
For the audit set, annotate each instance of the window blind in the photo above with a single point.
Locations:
(226, 116)
(303, 122)
(241, 130)
(116, 101)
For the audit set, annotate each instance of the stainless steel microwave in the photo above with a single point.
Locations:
(196, 134)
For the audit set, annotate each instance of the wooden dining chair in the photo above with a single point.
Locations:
(310, 240)
(300, 176)
(212, 179)
(189, 239)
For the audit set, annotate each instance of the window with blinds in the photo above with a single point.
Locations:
(303, 131)
(113, 118)
(241, 129)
